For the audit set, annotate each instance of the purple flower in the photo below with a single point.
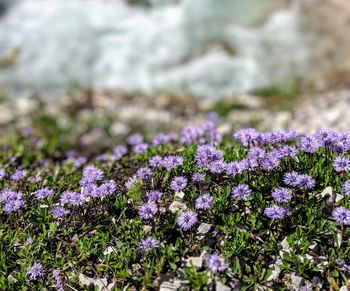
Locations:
(346, 188)
(178, 183)
(305, 182)
(233, 168)
(206, 154)
(14, 200)
(91, 174)
(198, 177)
(217, 167)
(216, 263)
(155, 161)
(326, 137)
(140, 148)
(29, 240)
(341, 215)
(119, 151)
(270, 163)
(2, 174)
(204, 201)
(107, 188)
(27, 131)
(343, 144)
(43, 193)
(276, 212)
(149, 243)
(18, 175)
(36, 271)
(90, 189)
(291, 178)
(172, 162)
(130, 182)
(309, 144)
(135, 139)
(154, 195)
(343, 264)
(285, 152)
(247, 136)
(256, 153)
(148, 210)
(281, 195)
(241, 192)
(59, 282)
(307, 287)
(6, 194)
(187, 219)
(79, 161)
(59, 212)
(144, 173)
(163, 138)
(72, 198)
(341, 164)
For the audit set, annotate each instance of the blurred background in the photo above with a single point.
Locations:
(101, 69)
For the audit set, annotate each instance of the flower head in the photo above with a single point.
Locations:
(309, 144)
(305, 182)
(144, 173)
(346, 188)
(341, 164)
(2, 174)
(154, 195)
(91, 174)
(241, 192)
(281, 195)
(216, 263)
(341, 215)
(149, 243)
(59, 212)
(148, 210)
(135, 139)
(204, 201)
(172, 162)
(178, 183)
(36, 271)
(155, 161)
(140, 148)
(276, 212)
(198, 177)
(187, 219)
(18, 175)
(119, 151)
(43, 193)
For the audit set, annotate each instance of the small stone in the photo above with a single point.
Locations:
(296, 280)
(203, 228)
(109, 250)
(221, 287)
(147, 228)
(327, 192)
(275, 273)
(10, 278)
(101, 284)
(338, 198)
(172, 285)
(285, 247)
(176, 206)
(195, 261)
(330, 195)
(180, 194)
(85, 280)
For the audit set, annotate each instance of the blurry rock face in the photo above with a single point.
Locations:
(204, 48)
(329, 111)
